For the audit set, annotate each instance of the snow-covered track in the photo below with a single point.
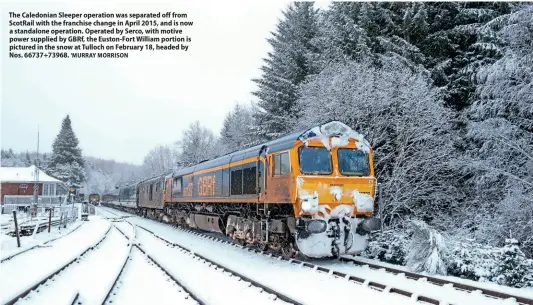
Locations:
(115, 290)
(371, 284)
(26, 291)
(131, 241)
(75, 299)
(39, 245)
(417, 287)
(439, 281)
(418, 295)
(234, 273)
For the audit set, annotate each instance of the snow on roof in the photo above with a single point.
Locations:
(24, 174)
(339, 129)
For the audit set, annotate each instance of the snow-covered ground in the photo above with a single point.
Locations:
(92, 276)
(141, 275)
(7, 222)
(524, 292)
(25, 270)
(446, 294)
(301, 284)
(8, 244)
(280, 273)
(209, 284)
(152, 271)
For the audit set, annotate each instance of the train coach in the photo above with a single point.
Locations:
(311, 192)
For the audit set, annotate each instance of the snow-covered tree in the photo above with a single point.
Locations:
(415, 22)
(400, 113)
(9, 159)
(238, 129)
(453, 46)
(160, 160)
(98, 181)
(104, 175)
(286, 66)
(513, 267)
(197, 144)
(363, 30)
(428, 251)
(501, 133)
(27, 159)
(67, 163)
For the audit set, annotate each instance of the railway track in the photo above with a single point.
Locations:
(130, 246)
(108, 299)
(492, 294)
(440, 282)
(24, 292)
(423, 297)
(38, 245)
(261, 287)
(198, 299)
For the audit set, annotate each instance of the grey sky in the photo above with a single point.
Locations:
(121, 109)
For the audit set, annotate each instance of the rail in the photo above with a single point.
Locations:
(130, 247)
(26, 291)
(441, 282)
(133, 244)
(234, 273)
(372, 284)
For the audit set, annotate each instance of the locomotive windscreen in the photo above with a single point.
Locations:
(315, 160)
(353, 162)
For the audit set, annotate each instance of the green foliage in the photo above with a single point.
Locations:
(388, 247)
(285, 67)
(67, 163)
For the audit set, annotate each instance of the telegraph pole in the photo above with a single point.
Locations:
(36, 174)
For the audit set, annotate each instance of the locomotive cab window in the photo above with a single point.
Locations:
(315, 160)
(176, 185)
(353, 162)
(281, 164)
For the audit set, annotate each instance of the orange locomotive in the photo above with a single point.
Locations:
(311, 191)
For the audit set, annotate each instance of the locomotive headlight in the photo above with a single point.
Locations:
(316, 226)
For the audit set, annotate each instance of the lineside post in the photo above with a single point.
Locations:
(50, 220)
(16, 228)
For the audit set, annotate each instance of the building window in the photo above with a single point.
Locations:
(282, 164)
(23, 186)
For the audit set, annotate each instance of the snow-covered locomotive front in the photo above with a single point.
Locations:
(335, 190)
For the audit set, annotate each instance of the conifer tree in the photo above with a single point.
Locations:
(452, 47)
(67, 163)
(28, 159)
(285, 68)
(357, 30)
